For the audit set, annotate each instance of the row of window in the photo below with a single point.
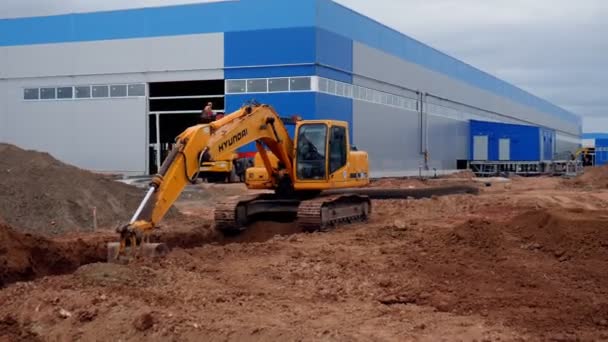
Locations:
(269, 85)
(85, 92)
(324, 85)
(342, 89)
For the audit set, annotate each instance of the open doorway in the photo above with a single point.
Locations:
(175, 106)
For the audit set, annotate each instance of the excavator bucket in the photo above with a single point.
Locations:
(144, 250)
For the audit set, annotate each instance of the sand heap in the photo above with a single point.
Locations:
(593, 177)
(40, 194)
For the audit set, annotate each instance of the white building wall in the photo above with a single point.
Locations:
(377, 65)
(164, 54)
(108, 134)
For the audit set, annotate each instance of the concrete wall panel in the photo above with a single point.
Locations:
(372, 63)
(180, 53)
(564, 144)
(3, 109)
(390, 136)
(383, 86)
(447, 142)
(100, 134)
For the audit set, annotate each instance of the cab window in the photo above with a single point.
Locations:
(337, 148)
(311, 151)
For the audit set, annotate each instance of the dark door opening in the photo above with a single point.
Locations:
(175, 106)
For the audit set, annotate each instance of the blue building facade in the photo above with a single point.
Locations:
(316, 58)
(518, 142)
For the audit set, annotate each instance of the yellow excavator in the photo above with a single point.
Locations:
(222, 170)
(298, 170)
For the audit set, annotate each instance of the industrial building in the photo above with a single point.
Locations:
(590, 139)
(109, 91)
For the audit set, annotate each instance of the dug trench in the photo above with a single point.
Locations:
(25, 257)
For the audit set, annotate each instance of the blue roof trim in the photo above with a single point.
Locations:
(595, 135)
(344, 21)
(227, 16)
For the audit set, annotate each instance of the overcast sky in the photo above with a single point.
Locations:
(555, 49)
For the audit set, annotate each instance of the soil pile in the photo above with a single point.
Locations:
(593, 177)
(541, 260)
(461, 174)
(401, 183)
(564, 235)
(40, 194)
(25, 256)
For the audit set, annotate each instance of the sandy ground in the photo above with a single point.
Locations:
(524, 260)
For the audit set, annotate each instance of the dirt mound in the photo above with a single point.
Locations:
(410, 183)
(564, 235)
(540, 260)
(593, 177)
(25, 256)
(461, 174)
(40, 194)
(476, 237)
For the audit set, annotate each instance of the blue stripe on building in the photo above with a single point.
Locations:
(270, 47)
(286, 104)
(227, 16)
(595, 135)
(337, 27)
(334, 108)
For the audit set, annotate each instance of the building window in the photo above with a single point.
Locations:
(83, 92)
(257, 86)
(236, 86)
(31, 94)
(137, 89)
(278, 84)
(118, 91)
(299, 83)
(323, 85)
(340, 89)
(348, 91)
(47, 93)
(331, 86)
(384, 99)
(100, 91)
(64, 92)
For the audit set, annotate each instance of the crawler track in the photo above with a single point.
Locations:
(236, 213)
(327, 211)
(227, 216)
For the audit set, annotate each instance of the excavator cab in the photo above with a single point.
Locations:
(311, 143)
(322, 149)
(324, 159)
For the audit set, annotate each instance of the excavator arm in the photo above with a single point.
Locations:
(200, 143)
